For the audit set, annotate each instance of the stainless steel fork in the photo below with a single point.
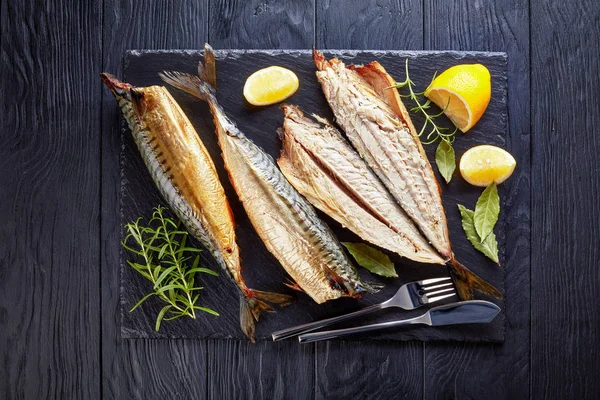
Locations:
(410, 296)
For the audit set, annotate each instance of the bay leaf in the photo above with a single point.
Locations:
(372, 259)
(445, 160)
(489, 246)
(487, 210)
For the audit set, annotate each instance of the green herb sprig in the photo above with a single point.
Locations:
(432, 132)
(164, 260)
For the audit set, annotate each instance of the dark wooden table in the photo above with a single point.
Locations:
(59, 282)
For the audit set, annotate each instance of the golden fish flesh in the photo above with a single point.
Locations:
(284, 220)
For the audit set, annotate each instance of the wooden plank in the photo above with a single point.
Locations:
(565, 76)
(370, 24)
(464, 370)
(152, 369)
(49, 184)
(261, 24)
(366, 369)
(263, 370)
(141, 368)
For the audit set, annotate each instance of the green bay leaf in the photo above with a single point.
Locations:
(445, 160)
(372, 259)
(487, 210)
(489, 246)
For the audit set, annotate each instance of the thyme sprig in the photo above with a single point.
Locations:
(164, 260)
(435, 132)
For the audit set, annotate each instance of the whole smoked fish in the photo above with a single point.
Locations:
(186, 177)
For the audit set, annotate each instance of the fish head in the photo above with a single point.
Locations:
(119, 89)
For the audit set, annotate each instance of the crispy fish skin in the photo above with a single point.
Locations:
(379, 127)
(323, 167)
(286, 222)
(187, 179)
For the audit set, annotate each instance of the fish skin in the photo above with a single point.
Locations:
(380, 129)
(326, 170)
(284, 220)
(186, 177)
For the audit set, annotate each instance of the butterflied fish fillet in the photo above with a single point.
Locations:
(379, 127)
(323, 167)
(287, 224)
(187, 179)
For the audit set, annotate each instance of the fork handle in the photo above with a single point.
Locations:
(317, 336)
(296, 330)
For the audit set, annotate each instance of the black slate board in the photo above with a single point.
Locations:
(261, 270)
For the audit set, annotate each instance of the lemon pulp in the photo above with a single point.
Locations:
(485, 164)
(270, 85)
(464, 92)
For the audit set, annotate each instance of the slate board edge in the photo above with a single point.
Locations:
(128, 333)
(221, 52)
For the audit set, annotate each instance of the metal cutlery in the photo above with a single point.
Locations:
(463, 312)
(410, 296)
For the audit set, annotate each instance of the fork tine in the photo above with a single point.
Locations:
(438, 298)
(429, 288)
(439, 292)
(433, 280)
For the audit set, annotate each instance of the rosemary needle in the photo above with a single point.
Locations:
(161, 256)
(431, 132)
(435, 132)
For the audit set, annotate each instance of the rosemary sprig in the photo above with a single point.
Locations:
(436, 132)
(164, 259)
(431, 132)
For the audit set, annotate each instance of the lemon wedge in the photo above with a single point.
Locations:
(485, 164)
(464, 91)
(270, 85)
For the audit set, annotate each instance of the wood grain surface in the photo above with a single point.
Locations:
(565, 277)
(261, 24)
(467, 371)
(235, 370)
(59, 222)
(140, 369)
(369, 24)
(341, 24)
(49, 197)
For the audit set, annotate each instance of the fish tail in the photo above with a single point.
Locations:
(203, 85)
(361, 288)
(371, 287)
(208, 70)
(253, 303)
(191, 84)
(466, 281)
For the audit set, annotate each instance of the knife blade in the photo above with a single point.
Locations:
(462, 312)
